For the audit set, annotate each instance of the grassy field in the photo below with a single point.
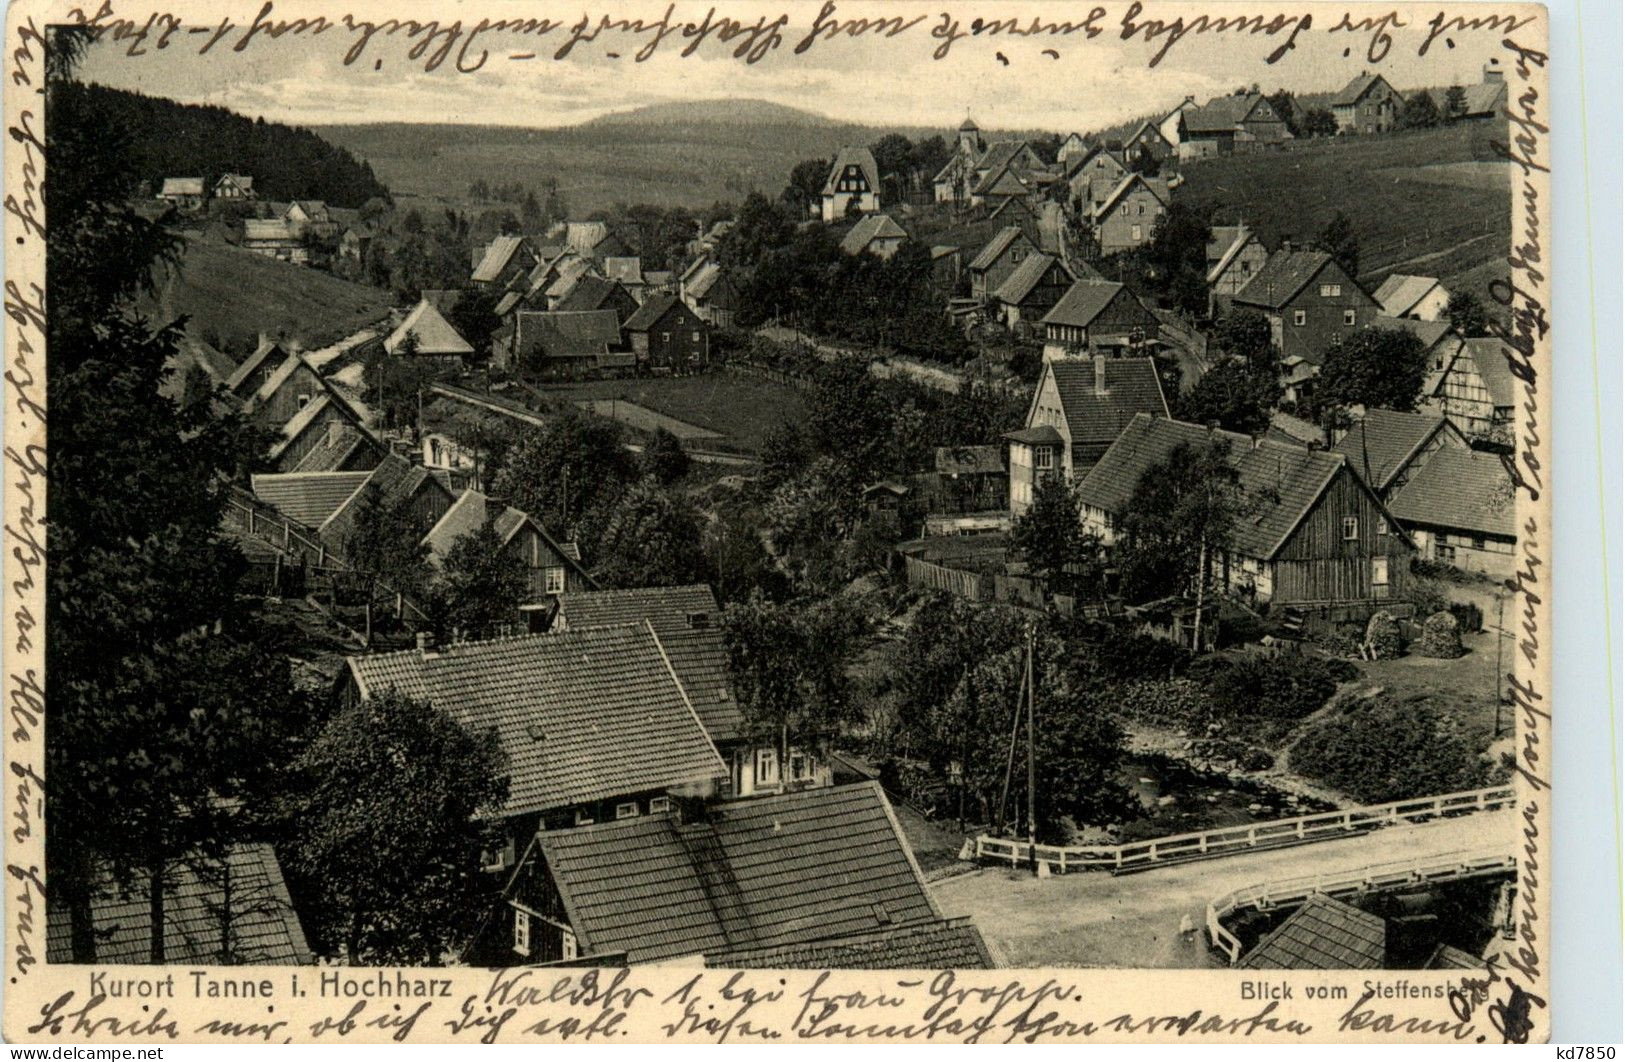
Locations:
(741, 409)
(1464, 688)
(235, 294)
(1433, 202)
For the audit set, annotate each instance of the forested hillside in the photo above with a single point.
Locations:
(170, 139)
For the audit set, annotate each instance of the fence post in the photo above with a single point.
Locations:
(287, 533)
(250, 519)
(399, 605)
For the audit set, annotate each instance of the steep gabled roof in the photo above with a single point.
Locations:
(1084, 301)
(396, 479)
(1385, 440)
(816, 865)
(994, 249)
(628, 269)
(1132, 390)
(1025, 277)
(1356, 89)
(472, 510)
(268, 351)
(868, 229)
(582, 716)
(1147, 127)
(669, 608)
(1155, 185)
(649, 314)
(351, 446)
(1399, 294)
(1223, 113)
(1460, 489)
(591, 293)
(1283, 275)
(1489, 357)
(1429, 332)
(307, 498)
(860, 157)
(494, 262)
(1226, 242)
(434, 333)
(566, 333)
(700, 658)
(1323, 934)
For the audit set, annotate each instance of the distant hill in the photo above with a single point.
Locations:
(171, 139)
(721, 112)
(1435, 202)
(231, 295)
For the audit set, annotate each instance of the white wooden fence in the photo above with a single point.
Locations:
(1229, 840)
(1452, 866)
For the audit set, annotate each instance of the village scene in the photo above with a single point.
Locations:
(892, 548)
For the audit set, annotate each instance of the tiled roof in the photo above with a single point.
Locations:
(263, 928)
(1399, 294)
(868, 229)
(1283, 275)
(567, 333)
(1132, 389)
(1354, 90)
(766, 872)
(347, 446)
(1024, 278)
(1005, 181)
(498, 253)
(853, 156)
(996, 247)
(1221, 114)
(467, 514)
(583, 716)
(1489, 357)
(952, 460)
(1460, 489)
(1037, 435)
(589, 293)
(649, 314)
(1000, 154)
(667, 607)
(1157, 186)
(435, 334)
(569, 273)
(1083, 302)
(933, 945)
(1429, 332)
(307, 498)
(700, 657)
(1282, 483)
(1288, 428)
(1385, 440)
(1323, 934)
(396, 479)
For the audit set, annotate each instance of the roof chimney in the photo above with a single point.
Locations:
(1100, 374)
(1492, 72)
(1286, 244)
(425, 641)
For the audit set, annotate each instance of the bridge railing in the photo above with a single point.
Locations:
(1450, 866)
(1227, 840)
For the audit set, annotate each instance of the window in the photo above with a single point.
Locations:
(1125, 209)
(798, 766)
(521, 931)
(1330, 291)
(304, 400)
(696, 337)
(1447, 554)
(1348, 317)
(659, 805)
(1351, 528)
(767, 767)
(1379, 576)
(567, 940)
(665, 337)
(1140, 209)
(628, 810)
(553, 576)
(1043, 457)
(583, 817)
(1300, 317)
(1478, 543)
(1382, 526)
(1134, 232)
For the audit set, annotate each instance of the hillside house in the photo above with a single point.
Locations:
(1079, 408)
(852, 187)
(1367, 104)
(1020, 212)
(235, 186)
(593, 240)
(1001, 185)
(1015, 156)
(876, 234)
(666, 334)
(817, 879)
(627, 271)
(1172, 124)
(947, 266)
(1094, 316)
(952, 183)
(966, 479)
(260, 365)
(425, 333)
(594, 723)
(1310, 302)
(504, 260)
(1030, 291)
(1235, 255)
(571, 271)
(1480, 102)
(591, 292)
(1127, 218)
(284, 391)
(310, 216)
(276, 238)
(711, 292)
(1226, 125)
(1387, 447)
(1460, 507)
(1476, 390)
(999, 258)
(1440, 342)
(327, 502)
(1316, 535)
(1148, 141)
(1418, 298)
(1092, 176)
(1071, 147)
(561, 344)
(183, 193)
(354, 241)
(550, 570)
(338, 445)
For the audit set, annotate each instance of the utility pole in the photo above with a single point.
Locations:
(1032, 767)
(1500, 604)
(1010, 757)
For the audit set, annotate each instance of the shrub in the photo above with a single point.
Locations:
(1379, 749)
(1342, 642)
(1238, 628)
(1176, 702)
(1428, 596)
(1285, 687)
(1126, 656)
(1382, 636)
(1441, 637)
(1469, 617)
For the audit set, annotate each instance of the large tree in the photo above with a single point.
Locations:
(1374, 367)
(1466, 314)
(385, 547)
(480, 585)
(561, 473)
(1234, 395)
(649, 537)
(1246, 334)
(1419, 112)
(1318, 121)
(1049, 535)
(385, 832)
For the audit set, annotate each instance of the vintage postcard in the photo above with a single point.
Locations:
(803, 521)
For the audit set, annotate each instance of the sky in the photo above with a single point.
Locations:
(1087, 84)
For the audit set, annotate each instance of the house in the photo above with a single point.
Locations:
(594, 240)
(1386, 447)
(284, 391)
(276, 238)
(236, 186)
(1127, 218)
(1078, 409)
(1440, 342)
(1323, 934)
(665, 333)
(966, 479)
(550, 570)
(999, 258)
(310, 215)
(1001, 185)
(1148, 141)
(184, 193)
(1014, 156)
(1235, 254)
(340, 446)
(1172, 125)
(1367, 104)
(570, 272)
(627, 271)
(875, 234)
(1315, 534)
(425, 333)
(667, 609)
(1460, 507)
(947, 264)
(354, 242)
(1072, 146)
(1031, 290)
(1485, 100)
(711, 292)
(217, 911)
(561, 344)
(1310, 302)
(1091, 177)
(821, 876)
(1418, 298)
(1020, 212)
(591, 292)
(853, 185)
(1476, 390)
(504, 260)
(1096, 315)
(1225, 125)
(260, 365)
(395, 485)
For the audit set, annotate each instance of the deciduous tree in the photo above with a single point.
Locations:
(480, 585)
(1375, 367)
(1235, 396)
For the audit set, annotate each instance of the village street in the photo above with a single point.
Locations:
(1095, 919)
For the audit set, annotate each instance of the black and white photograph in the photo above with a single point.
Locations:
(930, 501)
